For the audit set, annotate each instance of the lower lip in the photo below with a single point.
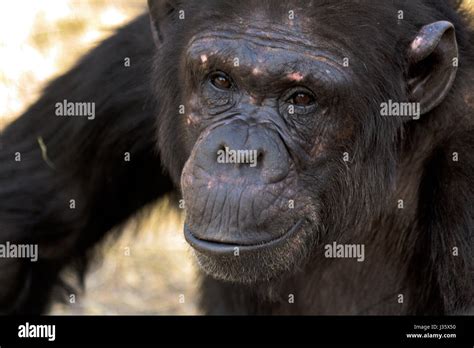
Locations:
(208, 247)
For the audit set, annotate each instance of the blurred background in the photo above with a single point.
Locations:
(149, 269)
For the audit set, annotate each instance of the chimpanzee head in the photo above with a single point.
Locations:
(270, 120)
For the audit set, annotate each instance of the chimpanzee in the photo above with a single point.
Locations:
(324, 151)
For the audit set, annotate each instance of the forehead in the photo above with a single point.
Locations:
(264, 47)
(343, 27)
(265, 34)
(265, 30)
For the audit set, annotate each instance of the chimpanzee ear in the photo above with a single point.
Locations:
(433, 56)
(161, 15)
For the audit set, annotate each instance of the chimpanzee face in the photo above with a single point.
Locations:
(281, 135)
(260, 117)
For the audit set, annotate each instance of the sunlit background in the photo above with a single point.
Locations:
(149, 269)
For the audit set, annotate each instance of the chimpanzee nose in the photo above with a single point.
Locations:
(238, 150)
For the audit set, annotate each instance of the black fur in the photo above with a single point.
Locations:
(89, 166)
(410, 249)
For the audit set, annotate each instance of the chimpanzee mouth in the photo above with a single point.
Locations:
(218, 248)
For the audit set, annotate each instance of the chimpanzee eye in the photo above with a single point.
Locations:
(221, 81)
(301, 99)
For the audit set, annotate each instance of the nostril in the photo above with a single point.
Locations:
(220, 151)
(260, 157)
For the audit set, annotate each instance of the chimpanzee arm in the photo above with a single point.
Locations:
(66, 181)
